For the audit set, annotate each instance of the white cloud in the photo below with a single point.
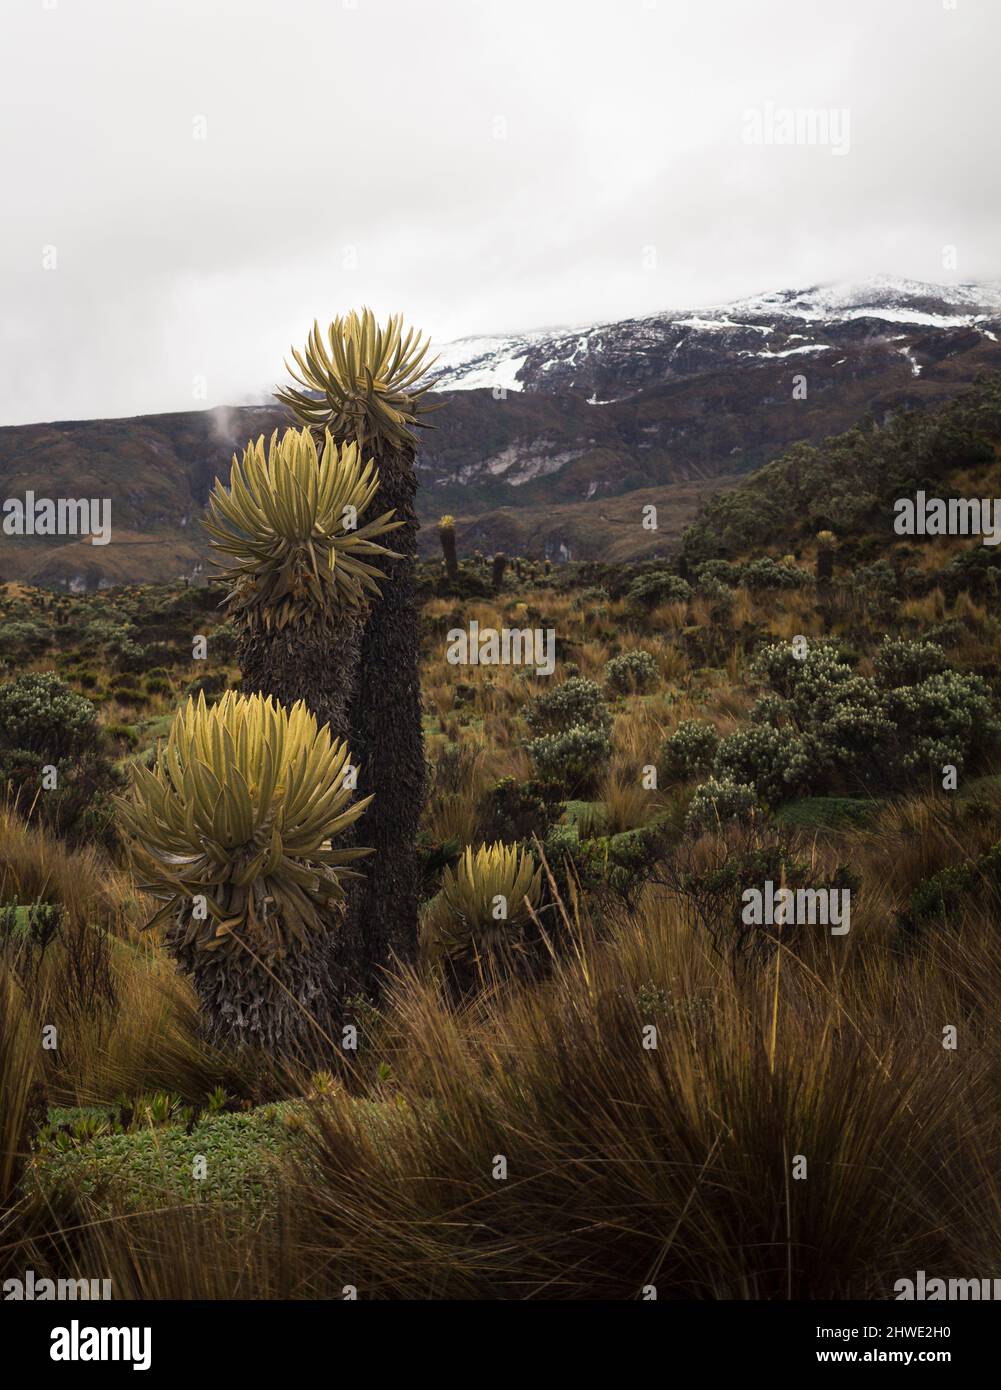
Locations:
(350, 157)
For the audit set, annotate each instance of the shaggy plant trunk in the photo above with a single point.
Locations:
(447, 536)
(278, 1005)
(825, 564)
(319, 667)
(387, 745)
(500, 565)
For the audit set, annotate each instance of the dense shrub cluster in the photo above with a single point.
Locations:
(20, 638)
(849, 483)
(819, 727)
(767, 573)
(689, 751)
(719, 802)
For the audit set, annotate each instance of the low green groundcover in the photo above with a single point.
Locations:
(826, 812)
(144, 1168)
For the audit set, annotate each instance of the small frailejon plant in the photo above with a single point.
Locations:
(485, 902)
(232, 831)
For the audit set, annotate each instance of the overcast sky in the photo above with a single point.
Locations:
(186, 184)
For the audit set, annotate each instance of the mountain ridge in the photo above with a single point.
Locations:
(660, 408)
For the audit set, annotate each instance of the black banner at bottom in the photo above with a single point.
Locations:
(256, 1338)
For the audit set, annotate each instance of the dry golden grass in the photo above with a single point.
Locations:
(629, 1165)
(36, 867)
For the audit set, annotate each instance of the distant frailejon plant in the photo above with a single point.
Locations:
(497, 574)
(232, 830)
(367, 384)
(446, 534)
(290, 538)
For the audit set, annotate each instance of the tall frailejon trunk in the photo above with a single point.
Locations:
(319, 667)
(387, 745)
(446, 535)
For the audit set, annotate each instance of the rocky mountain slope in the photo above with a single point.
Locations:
(552, 442)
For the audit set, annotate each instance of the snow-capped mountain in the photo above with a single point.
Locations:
(592, 423)
(836, 322)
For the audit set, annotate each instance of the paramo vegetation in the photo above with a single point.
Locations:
(351, 921)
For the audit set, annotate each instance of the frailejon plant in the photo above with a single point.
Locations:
(370, 382)
(446, 534)
(485, 902)
(233, 831)
(367, 385)
(497, 573)
(289, 535)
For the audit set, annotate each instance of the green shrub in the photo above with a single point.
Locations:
(43, 723)
(154, 1165)
(576, 758)
(130, 657)
(211, 684)
(941, 896)
(716, 572)
(767, 573)
(689, 751)
(648, 591)
(947, 718)
(899, 661)
(514, 811)
(131, 695)
(592, 598)
(574, 702)
(821, 728)
(778, 763)
(720, 801)
(635, 671)
(21, 638)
